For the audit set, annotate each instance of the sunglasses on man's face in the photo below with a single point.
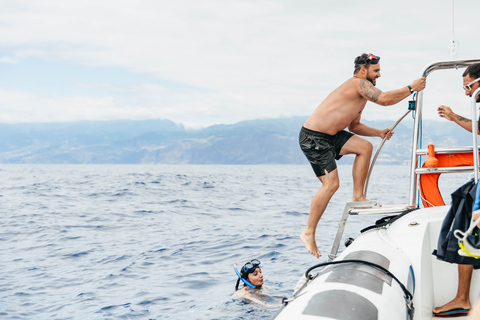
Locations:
(468, 87)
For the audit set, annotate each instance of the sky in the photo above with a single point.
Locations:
(208, 62)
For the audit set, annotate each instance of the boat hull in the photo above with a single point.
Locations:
(347, 290)
(362, 291)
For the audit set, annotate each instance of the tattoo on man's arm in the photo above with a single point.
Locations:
(369, 91)
(460, 118)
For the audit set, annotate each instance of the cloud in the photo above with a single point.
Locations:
(6, 59)
(225, 61)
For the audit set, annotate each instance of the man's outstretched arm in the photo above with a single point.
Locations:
(371, 93)
(447, 113)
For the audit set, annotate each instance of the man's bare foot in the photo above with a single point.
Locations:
(362, 199)
(454, 304)
(310, 244)
(359, 199)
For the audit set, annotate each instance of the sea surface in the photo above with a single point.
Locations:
(159, 241)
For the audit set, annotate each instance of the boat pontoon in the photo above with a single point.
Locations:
(389, 272)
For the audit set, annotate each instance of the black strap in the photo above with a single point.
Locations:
(386, 220)
(408, 296)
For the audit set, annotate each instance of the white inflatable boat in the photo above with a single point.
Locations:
(389, 271)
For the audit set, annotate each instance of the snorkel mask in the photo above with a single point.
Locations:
(247, 268)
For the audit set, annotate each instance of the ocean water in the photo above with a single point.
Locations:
(159, 241)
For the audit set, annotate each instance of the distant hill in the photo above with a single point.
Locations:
(263, 141)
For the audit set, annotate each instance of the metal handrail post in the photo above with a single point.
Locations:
(370, 169)
(415, 147)
(474, 132)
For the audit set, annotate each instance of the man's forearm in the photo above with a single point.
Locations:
(463, 122)
(393, 97)
(364, 130)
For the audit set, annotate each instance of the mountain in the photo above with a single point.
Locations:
(263, 141)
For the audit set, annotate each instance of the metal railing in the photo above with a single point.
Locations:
(417, 152)
(372, 164)
(474, 131)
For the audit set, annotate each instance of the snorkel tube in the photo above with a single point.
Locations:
(462, 237)
(243, 279)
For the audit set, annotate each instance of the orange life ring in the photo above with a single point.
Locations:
(428, 183)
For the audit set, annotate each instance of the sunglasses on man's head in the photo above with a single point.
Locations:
(468, 87)
(372, 57)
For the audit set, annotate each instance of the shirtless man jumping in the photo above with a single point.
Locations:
(323, 138)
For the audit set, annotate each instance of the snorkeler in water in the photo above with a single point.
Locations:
(251, 276)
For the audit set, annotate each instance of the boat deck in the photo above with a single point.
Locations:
(436, 281)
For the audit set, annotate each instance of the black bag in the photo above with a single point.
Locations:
(458, 217)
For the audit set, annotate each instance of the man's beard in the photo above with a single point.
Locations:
(372, 80)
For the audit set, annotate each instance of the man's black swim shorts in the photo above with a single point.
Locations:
(322, 149)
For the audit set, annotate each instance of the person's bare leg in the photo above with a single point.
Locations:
(462, 299)
(330, 184)
(363, 150)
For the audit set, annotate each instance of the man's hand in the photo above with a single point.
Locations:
(446, 112)
(419, 84)
(386, 133)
